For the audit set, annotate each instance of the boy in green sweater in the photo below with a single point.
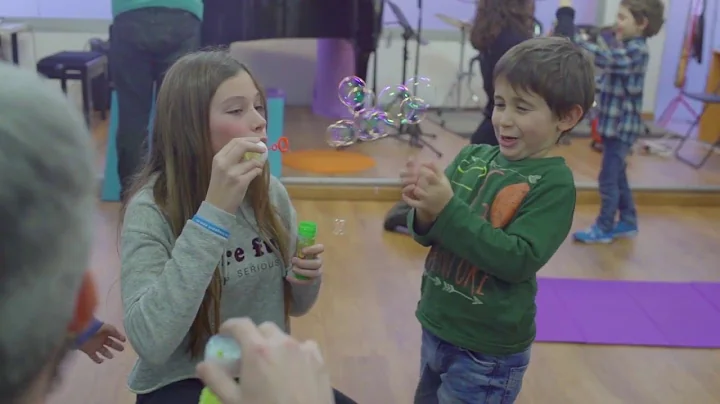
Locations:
(493, 218)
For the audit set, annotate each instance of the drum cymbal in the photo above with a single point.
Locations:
(454, 22)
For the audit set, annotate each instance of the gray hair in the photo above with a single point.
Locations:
(46, 210)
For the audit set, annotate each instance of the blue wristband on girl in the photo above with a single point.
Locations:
(212, 227)
(88, 333)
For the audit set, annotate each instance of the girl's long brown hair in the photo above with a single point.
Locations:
(181, 157)
(492, 16)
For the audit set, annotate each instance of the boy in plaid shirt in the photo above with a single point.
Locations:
(620, 97)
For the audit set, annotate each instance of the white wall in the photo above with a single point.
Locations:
(696, 72)
(713, 27)
(439, 60)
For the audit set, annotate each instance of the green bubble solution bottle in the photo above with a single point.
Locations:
(307, 231)
(208, 397)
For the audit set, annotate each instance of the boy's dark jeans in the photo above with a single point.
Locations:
(144, 43)
(615, 194)
(453, 375)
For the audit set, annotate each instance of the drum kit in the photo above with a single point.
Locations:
(464, 77)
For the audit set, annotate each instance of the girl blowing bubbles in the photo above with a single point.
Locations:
(207, 235)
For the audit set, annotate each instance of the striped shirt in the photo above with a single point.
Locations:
(620, 90)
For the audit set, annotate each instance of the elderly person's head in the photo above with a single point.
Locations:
(46, 209)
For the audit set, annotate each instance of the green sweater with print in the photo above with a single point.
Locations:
(193, 6)
(505, 221)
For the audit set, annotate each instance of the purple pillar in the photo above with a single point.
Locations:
(335, 61)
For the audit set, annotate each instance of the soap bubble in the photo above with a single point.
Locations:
(367, 102)
(413, 110)
(339, 228)
(351, 92)
(390, 100)
(371, 125)
(341, 133)
(373, 116)
(423, 88)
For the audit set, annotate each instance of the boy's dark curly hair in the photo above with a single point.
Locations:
(492, 16)
(554, 68)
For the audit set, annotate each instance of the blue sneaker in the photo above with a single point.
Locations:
(593, 235)
(625, 230)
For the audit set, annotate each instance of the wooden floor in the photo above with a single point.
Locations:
(364, 318)
(307, 131)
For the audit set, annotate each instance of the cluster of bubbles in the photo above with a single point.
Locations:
(373, 116)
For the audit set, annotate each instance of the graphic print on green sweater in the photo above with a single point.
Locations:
(505, 221)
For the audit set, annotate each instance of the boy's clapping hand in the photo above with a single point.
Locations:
(409, 177)
(431, 190)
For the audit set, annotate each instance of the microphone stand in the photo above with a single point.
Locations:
(379, 6)
(414, 132)
(417, 43)
(375, 70)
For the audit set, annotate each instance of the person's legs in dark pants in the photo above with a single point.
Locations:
(366, 40)
(176, 45)
(613, 187)
(485, 133)
(609, 184)
(144, 43)
(362, 59)
(627, 225)
(182, 392)
(132, 75)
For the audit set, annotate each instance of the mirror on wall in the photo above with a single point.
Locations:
(455, 95)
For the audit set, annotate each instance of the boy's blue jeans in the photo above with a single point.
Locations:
(452, 375)
(615, 194)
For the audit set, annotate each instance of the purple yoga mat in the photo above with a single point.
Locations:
(550, 325)
(710, 291)
(628, 313)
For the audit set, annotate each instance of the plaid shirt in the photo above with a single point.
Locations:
(620, 91)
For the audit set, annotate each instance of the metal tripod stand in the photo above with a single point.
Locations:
(463, 78)
(415, 135)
